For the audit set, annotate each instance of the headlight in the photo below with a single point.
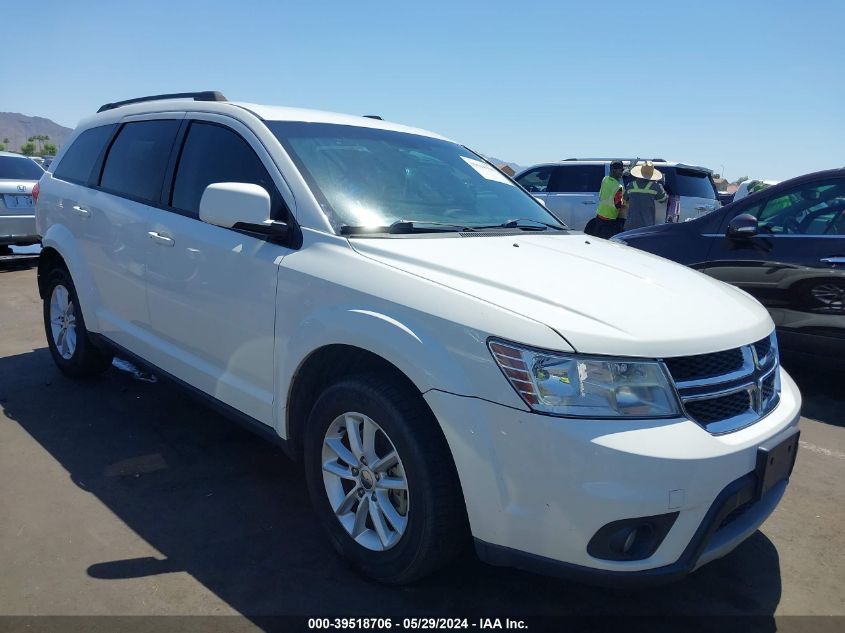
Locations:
(586, 386)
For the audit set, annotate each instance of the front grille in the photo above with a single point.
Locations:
(715, 409)
(704, 366)
(762, 348)
(728, 390)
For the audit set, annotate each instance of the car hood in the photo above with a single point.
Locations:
(602, 297)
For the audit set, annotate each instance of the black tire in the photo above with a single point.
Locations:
(436, 530)
(87, 360)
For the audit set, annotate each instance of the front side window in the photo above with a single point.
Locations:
(137, 160)
(14, 168)
(812, 209)
(371, 177)
(577, 178)
(79, 159)
(213, 153)
(536, 180)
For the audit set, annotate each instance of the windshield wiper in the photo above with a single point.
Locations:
(525, 224)
(404, 227)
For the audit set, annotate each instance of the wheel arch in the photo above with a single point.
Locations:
(323, 367)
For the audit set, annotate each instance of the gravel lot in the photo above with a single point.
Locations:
(122, 497)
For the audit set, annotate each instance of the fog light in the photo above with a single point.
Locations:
(631, 539)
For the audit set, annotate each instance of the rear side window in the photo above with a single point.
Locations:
(577, 178)
(14, 168)
(137, 160)
(536, 180)
(692, 183)
(217, 154)
(79, 159)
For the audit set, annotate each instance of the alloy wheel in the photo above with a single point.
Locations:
(831, 295)
(63, 321)
(365, 481)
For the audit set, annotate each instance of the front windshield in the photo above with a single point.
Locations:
(370, 177)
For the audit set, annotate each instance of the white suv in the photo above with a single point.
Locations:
(447, 360)
(570, 188)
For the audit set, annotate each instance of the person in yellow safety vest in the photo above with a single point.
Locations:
(642, 193)
(605, 224)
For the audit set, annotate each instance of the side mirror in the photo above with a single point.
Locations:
(743, 225)
(239, 205)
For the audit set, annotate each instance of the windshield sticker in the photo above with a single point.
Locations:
(490, 173)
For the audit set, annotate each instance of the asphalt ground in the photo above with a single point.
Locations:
(123, 497)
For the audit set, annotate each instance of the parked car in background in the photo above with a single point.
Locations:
(569, 188)
(784, 245)
(747, 187)
(424, 335)
(18, 176)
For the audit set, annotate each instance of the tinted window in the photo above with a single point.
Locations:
(577, 178)
(137, 159)
(14, 168)
(216, 154)
(691, 183)
(80, 157)
(536, 180)
(812, 209)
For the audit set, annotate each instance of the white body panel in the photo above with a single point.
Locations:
(236, 317)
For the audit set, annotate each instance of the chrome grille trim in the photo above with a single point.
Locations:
(758, 375)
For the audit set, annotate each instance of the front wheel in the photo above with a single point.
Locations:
(382, 480)
(71, 348)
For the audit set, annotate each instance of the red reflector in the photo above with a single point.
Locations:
(35, 190)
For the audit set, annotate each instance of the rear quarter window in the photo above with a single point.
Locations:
(691, 183)
(80, 157)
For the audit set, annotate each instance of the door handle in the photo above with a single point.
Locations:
(588, 202)
(82, 211)
(833, 260)
(158, 238)
(704, 207)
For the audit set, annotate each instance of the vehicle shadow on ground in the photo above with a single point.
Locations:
(17, 263)
(231, 510)
(822, 392)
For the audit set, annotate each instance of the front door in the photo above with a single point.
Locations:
(795, 265)
(212, 291)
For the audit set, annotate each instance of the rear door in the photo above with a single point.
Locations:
(573, 194)
(212, 290)
(695, 190)
(112, 219)
(795, 266)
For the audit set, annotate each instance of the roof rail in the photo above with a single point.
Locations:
(373, 116)
(624, 160)
(207, 95)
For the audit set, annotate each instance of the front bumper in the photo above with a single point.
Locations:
(538, 488)
(18, 229)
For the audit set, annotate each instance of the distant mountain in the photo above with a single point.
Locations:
(19, 127)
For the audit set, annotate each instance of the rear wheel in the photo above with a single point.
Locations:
(68, 340)
(382, 480)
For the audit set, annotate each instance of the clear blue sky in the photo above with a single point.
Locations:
(756, 87)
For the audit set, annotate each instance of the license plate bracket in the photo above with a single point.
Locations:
(775, 463)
